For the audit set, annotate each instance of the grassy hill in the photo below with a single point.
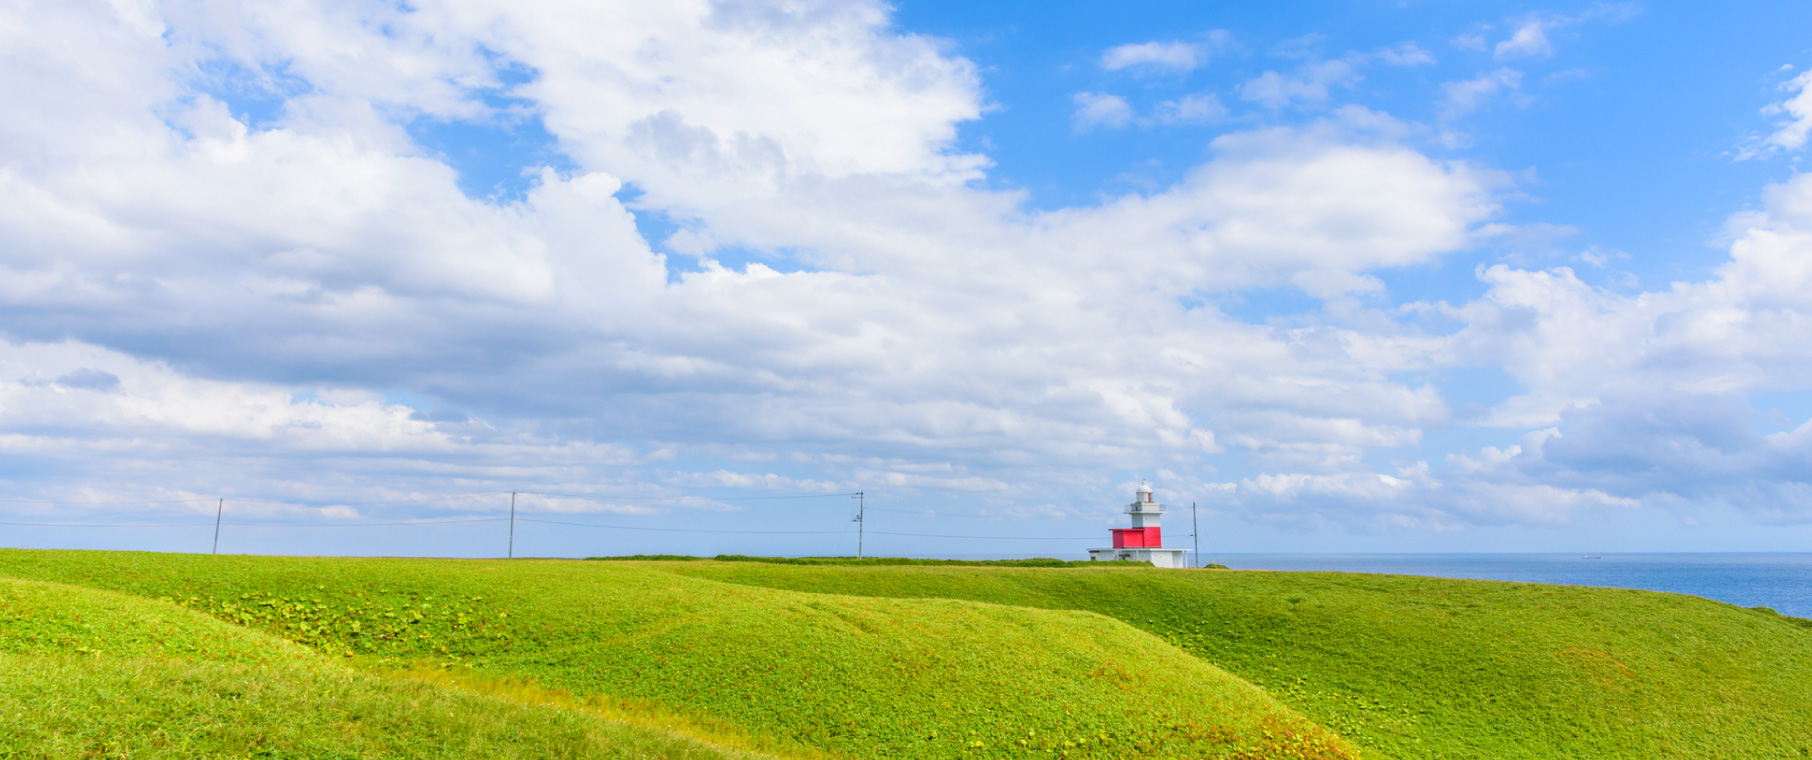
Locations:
(86, 673)
(829, 659)
(1422, 667)
(779, 671)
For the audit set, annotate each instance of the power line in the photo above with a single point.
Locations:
(427, 499)
(367, 524)
(681, 530)
(1000, 538)
(254, 524)
(596, 497)
(335, 502)
(107, 503)
(975, 515)
(111, 525)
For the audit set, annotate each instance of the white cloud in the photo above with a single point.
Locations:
(1175, 56)
(1469, 95)
(1277, 201)
(1530, 40)
(1416, 497)
(1311, 82)
(1725, 335)
(148, 408)
(1531, 36)
(1790, 133)
(1649, 388)
(1099, 110)
(1405, 54)
(260, 290)
(942, 322)
(1155, 56)
(1200, 108)
(1309, 85)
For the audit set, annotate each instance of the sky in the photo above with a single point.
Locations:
(683, 277)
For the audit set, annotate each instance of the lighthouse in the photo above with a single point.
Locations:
(1144, 541)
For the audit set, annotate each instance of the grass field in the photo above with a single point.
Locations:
(777, 671)
(309, 657)
(1422, 667)
(86, 673)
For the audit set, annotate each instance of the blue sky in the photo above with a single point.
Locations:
(1351, 277)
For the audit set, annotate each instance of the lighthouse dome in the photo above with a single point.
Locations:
(1143, 488)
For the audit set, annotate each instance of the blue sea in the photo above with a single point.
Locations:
(1780, 581)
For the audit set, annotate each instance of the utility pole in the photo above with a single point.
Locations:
(861, 527)
(512, 525)
(1195, 532)
(218, 508)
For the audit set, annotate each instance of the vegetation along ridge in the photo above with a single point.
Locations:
(831, 658)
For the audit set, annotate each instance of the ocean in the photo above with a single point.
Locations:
(1780, 581)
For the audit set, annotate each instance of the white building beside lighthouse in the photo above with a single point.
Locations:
(1143, 542)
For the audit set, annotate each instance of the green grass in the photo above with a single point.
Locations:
(875, 561)
(786, 672)
(87, 673)
(1421, 667)
(846, 658)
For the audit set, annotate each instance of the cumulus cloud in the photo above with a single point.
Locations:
(1098, 110)
(1728, 334)
(208, 297)
(1530, 40)
(1529, 37)
(1175, 56)
(1200, 108)
(88, 378)
(1160, 56)
(1663, 448)
(1278, 201)
(1646, 391)
(1466, 96)
(1416, 497)
(1310, 84)
(1631, 401)
(1312, 81)
(925, 320)
(1405, 54)
(1790, 132)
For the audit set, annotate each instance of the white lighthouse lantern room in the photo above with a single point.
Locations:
(1144, 541)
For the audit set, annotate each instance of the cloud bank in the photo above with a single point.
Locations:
(226, 242)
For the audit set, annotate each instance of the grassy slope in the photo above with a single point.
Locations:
(1422, 667)
(856, 676)
(94, 673)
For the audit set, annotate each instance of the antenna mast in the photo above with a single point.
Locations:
(1195, 532)
(861, 527)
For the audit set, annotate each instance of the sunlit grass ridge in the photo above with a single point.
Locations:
(1425, 667)
(839, 658)
(790, 672)
(87, 673)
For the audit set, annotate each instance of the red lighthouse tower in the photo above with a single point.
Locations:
(1144, 541)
